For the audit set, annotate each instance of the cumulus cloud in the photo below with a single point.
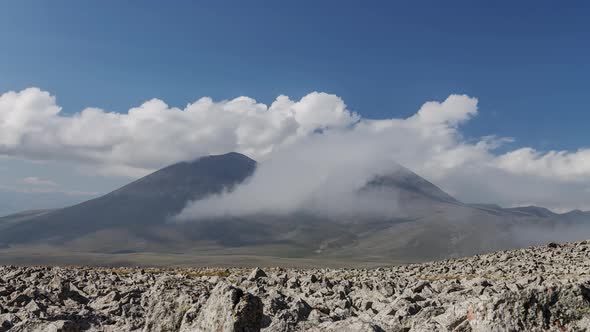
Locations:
(309, 148)
(154, 134)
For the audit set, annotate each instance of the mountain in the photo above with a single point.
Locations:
(148, 201)
(132, 225)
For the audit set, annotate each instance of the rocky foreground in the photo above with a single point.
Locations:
(536, 289)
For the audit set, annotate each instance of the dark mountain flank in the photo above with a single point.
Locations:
(148, 201)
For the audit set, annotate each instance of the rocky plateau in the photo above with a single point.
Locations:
(545, 288)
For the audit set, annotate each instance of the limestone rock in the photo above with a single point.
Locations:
(256, 274)
(230, 309)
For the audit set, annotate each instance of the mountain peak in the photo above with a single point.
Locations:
(226, 156)
(404, 179)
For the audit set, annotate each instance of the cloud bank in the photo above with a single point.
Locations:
(312, 147)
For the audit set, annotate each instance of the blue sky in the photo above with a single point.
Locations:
(525, 61)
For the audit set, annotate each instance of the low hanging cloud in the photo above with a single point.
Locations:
(312, 147)
(323, 174)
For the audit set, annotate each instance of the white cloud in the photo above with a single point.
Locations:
(562, 165)
(154, 134)
(454, 111)
(35, 181)
(285, 138)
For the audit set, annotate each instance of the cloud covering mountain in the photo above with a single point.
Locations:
(309, 144)
(239, 208)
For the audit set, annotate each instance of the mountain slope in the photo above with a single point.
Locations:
(148, 201)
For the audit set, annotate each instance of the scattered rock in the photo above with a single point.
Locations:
(256, 274)
(544, 288)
